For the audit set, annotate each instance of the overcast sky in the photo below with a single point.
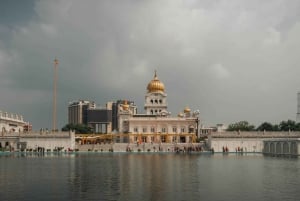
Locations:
(233, 60)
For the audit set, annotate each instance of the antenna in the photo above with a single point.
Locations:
(54, 94)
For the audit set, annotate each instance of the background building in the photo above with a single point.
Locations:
(77, 111)
(100, 119)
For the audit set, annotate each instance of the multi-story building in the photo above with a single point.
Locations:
(77, 111)
(100, 119)
(10, 123)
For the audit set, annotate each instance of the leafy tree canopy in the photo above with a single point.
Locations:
(241, 126)
(79, 128)
(266, 126)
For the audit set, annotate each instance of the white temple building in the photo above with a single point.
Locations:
(157, 125)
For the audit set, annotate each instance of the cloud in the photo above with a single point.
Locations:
(228, 59)
(273, 37)
(220, 71)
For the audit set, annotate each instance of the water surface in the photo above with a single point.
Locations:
(148, 176)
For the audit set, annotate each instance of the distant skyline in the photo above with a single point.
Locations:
(233, 60)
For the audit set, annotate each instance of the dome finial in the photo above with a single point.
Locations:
(155, 74)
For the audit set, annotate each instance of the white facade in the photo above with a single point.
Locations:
(245, 141)
(156, 125)
(155, 103)
(33, 140)
(10, 123)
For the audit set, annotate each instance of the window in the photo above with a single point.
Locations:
(191, 129)
(144, 130)
(163, 138)
(136, 130)
(160, 101)
(174, 130)
(163, 130)
(182, 130)
(152, 129)
(156, 101)
(151, 101)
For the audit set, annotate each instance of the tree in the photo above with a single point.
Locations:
(241, 126)
(79, 128)
(266, 126)
(288, 125)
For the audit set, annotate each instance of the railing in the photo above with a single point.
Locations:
(11, 117)
(34, 134)
(255, 134)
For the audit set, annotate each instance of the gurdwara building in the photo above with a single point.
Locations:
(156, 124)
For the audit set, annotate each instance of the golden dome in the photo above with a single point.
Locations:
(187, 110)
(180, 115)
(155, 85)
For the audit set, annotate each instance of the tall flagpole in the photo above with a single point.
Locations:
(54, 94)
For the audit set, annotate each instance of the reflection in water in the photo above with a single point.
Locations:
(148, 176)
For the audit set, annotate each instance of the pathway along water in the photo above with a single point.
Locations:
(148, 176)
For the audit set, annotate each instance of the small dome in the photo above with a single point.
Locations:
(187, 109)
(180, 115)
(155, 85)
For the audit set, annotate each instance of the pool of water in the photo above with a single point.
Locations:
(148, 176)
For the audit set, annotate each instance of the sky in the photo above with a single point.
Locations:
(232, 60)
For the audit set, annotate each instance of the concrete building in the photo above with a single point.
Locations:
(77, 111)
(100, 120)
(10, 123)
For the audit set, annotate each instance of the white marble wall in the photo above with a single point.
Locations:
(247, 144)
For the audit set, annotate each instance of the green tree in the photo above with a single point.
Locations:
(78, 128)
(288, 125)
(266, 126)
(241, 126)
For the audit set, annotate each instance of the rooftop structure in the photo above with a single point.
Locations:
(11, 122)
